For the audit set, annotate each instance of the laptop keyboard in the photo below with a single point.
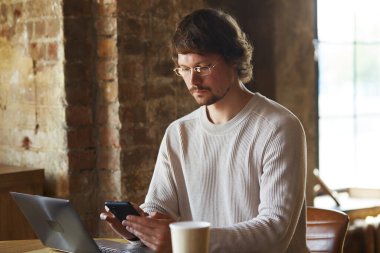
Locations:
(108, 250)
(111, 247)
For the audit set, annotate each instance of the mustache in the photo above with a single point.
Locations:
(194, 88)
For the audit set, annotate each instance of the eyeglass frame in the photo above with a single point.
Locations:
(197, 70)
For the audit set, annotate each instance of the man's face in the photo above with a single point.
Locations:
(213, 87)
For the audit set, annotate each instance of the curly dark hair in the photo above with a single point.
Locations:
(214, 31)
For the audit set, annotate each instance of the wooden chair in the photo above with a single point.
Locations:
(326, 230)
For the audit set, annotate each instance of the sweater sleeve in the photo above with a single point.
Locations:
(282, 188)
(162, 194)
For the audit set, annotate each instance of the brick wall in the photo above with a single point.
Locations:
(151, 95)
(92, 112)
(32, 101)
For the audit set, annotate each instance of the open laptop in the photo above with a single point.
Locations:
(58, 226)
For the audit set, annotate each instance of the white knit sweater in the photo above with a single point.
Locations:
(246, 177)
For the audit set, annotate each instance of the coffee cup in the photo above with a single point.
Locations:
(190, 236)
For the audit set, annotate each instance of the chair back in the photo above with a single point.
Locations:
(326, 230)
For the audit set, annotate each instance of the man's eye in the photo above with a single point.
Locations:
(200, 69)
(185, 69)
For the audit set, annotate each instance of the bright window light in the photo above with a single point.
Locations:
(348, 44)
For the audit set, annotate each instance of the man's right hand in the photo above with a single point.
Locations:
(116, 225)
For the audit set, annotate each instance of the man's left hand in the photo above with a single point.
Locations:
(153, 230)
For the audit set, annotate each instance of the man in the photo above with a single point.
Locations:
(238, 161)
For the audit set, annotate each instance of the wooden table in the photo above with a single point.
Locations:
(35, 246)
(355, 205)
(18, 246)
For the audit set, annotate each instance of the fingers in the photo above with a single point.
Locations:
(148, 222)
(154, 233)
(138, 209)
(108, 216)
(153, 230)
(141, 226)
(115, 224)
(103, 216)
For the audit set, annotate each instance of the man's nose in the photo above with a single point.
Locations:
(195, 78)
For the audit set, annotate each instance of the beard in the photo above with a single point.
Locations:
(207, 96)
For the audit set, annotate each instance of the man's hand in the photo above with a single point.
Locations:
(116, 225)
(153, 230)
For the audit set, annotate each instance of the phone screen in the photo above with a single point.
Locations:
(121, 209)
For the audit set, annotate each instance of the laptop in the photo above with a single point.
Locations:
(58, 226)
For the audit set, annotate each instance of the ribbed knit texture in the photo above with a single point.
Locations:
(247, 177)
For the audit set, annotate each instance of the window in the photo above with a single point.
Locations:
(348, 50)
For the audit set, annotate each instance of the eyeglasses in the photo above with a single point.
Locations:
(200, 71)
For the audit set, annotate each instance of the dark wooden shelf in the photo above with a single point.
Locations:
(19, 179)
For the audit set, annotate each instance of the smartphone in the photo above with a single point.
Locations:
(121, 209)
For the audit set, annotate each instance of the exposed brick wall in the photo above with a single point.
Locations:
(108, 149)
(151, 95)
(81, 89)
(32, 101)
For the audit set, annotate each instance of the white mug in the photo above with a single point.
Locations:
(190, 236)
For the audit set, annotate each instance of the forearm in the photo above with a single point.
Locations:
(261, 234)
